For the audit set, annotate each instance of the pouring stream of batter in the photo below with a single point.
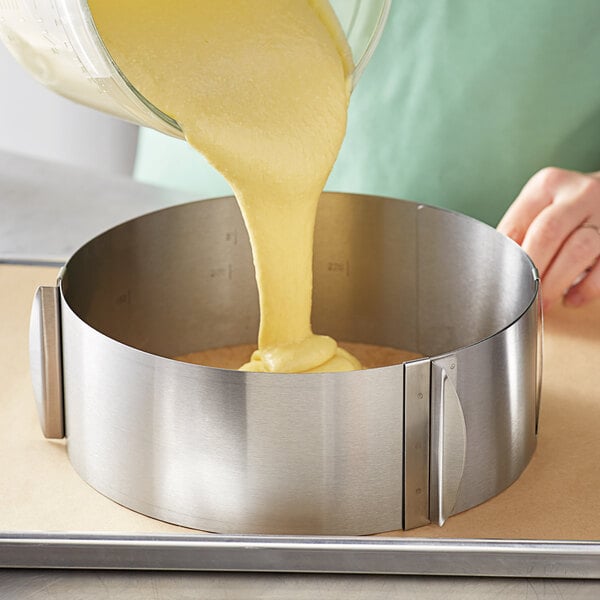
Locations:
(261, 88)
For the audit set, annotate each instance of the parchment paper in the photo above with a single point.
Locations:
(557, 497)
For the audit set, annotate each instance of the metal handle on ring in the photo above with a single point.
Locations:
(45, 361)
(448, 440)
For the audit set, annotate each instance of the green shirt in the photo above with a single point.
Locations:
(462, 102)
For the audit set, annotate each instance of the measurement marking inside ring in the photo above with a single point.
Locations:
(339, 267)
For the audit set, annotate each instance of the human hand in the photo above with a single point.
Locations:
(556, 219)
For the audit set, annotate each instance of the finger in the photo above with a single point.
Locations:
(553, 226)
(537, 194)
(586, 290)
(578, 253)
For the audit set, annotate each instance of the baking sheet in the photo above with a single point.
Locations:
(555, 502)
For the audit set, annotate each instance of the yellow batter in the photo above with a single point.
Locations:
(261, 88)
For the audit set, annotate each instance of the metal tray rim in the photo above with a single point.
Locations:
(302, 554)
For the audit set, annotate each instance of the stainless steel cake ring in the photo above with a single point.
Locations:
(326, 453)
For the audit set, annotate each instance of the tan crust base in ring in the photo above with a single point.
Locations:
(232, 357)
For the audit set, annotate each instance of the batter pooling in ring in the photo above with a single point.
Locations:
(261, 89)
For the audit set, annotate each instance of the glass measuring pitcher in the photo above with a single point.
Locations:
(57, 42)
